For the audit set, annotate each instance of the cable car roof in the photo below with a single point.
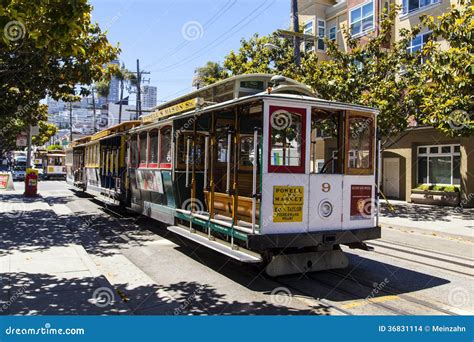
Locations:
(299, 99)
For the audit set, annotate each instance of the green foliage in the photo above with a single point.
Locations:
(208, 74)
(54, 147)
(445, 82)
(264, 54)
(51, 46)
(46, 131)
(368, 74)
(436, 187)
(13, 125)
(424, 187)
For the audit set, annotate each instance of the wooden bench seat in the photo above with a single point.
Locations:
(223, 205)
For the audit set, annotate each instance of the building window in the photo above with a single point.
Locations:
(332, 33)
(417, 43)
(321, 34)
(308, 29)
(415, 5)
(362, 19)
(439, 164)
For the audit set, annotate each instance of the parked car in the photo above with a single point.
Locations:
(19, 173)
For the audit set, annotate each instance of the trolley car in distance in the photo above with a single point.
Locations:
(255, 167)
(53, 163)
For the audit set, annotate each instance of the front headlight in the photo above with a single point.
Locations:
(325, 208)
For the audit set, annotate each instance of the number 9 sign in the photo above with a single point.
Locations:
(326, 187)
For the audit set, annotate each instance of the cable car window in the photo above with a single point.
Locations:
(222, 149)
(287, 139)
(165, 148)
(153, 161)
(142, 150)
(247, 154)
(324, 141)
(359, 152)
(134, 151)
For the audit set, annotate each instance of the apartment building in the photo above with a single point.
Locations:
(421, 155)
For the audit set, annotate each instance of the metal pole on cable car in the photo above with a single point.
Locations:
(254, 178)
(229, 143)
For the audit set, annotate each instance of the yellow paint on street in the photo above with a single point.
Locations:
(371, 300)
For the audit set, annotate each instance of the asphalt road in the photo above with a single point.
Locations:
(156, 272)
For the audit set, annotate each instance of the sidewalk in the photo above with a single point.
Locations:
(435, 220)
(46, 264)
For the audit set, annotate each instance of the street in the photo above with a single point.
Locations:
(66, 252)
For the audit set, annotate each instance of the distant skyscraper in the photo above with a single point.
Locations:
(114, 88)
(149, 97)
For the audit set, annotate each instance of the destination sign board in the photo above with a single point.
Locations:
(177, 108)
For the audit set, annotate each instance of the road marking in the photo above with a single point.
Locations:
(371, 300)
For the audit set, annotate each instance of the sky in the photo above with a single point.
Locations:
(174, 37)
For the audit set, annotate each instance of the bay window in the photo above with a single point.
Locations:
(439, 164)
(321, 34)
(332, 33)
(308, 29)
(361, 19)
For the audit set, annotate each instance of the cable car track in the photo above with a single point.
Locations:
(426, 256)
(391, 291)
(426, 250)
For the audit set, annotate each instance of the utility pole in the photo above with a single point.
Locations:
(121, 100)
(139, 93)
(93, 109)
(296, 28)
(28, 153)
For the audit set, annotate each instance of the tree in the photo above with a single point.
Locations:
(368, 73)
(208, 74)
(48, 47)
(15, 124)
(123, 75)
(264, 54)
(444, 83)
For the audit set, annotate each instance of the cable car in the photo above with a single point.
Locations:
(258, 168)
(75, 162)
(104, 170)
(54, 164)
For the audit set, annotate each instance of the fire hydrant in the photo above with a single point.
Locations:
(31, 183)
